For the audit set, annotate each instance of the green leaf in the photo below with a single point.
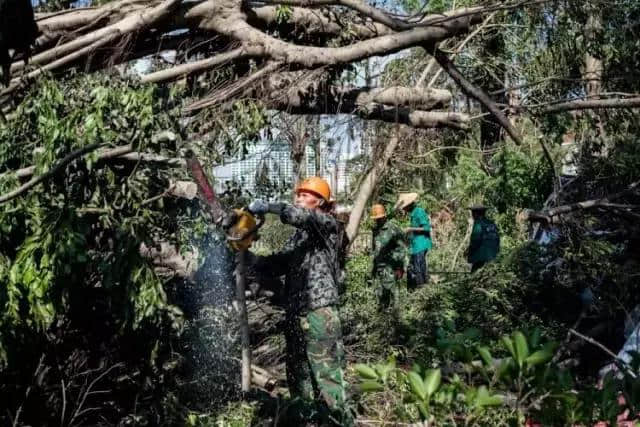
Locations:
(424, 412)
(508, 343)
(534, 339)
(370, 386)
(522, 348)
(417, 385)
(485, 354)
(383, 370)
(541, 356)
(366, 372)
(484, 399)
(504, 367)
(432, 381)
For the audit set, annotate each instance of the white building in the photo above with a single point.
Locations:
(272, 160)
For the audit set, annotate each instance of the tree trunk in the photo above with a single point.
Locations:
(368, 186)
(241, 308)
(336, 172)
(490, 129)
(298, 142)
(593, 68)
(420, 176)
(317, 152)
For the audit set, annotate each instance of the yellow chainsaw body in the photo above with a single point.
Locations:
(240, 234)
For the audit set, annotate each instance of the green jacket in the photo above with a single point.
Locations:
(389, 247)
(485, 241)
(420, 242)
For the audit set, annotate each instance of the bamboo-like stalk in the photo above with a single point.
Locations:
(241, 270)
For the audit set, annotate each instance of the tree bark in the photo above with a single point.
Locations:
(367, 187)
(593, 67)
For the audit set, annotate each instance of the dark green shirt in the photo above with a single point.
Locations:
(485, 241)
(420, 242)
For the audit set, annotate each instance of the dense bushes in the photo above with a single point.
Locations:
(86, 328)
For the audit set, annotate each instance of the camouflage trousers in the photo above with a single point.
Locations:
(315, 364)
(386, 287)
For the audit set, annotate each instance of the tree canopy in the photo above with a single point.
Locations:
(110, 285)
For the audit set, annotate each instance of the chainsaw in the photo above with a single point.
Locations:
(241, 229)
(241, 226)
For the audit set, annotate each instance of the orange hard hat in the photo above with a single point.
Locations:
(377, 212)
(317, 186)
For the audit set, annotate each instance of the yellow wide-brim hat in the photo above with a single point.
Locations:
(405, 200)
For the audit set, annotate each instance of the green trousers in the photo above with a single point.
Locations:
(386, 287)
(315, 367)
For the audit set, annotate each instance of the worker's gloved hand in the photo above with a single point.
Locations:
(259, 207)
(229, 220)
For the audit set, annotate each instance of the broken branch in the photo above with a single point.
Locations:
(53, 171)
(548, 215)
(476, 93)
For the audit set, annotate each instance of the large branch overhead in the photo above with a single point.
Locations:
(128, 29)
(313, 93)
(230, 20)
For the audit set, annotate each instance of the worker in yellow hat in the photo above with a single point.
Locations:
(310, 262)
(389, 256)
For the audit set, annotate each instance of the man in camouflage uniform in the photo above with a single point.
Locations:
(389, 256)
(315, 352)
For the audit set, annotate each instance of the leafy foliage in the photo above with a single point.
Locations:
(73, 275)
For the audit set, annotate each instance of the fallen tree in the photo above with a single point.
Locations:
(550, 215)
(293, 71)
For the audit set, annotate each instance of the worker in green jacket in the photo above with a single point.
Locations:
(419, 232)
(484, 244)
(389, 254)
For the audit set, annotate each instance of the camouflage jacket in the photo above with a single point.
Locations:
(308, 260)
(389, 247)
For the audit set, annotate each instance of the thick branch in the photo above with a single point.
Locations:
(417, 119)
(232, 23)
(590, 104)
(374, 13)
(549, 214)
(367, 186)
(53, 171)
(424, 99)
(309, 93)
(477, 93)
(105, 155)
(315, 22)
(68, 52)
(168, 258)
(174, 73)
